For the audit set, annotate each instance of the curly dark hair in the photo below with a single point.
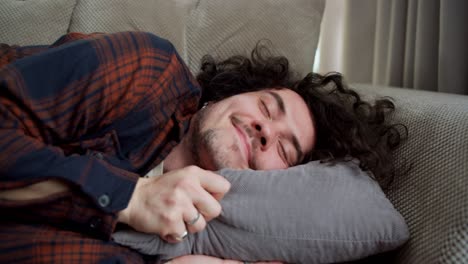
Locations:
(347, 127)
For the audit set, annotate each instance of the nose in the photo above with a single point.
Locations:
(265, 133)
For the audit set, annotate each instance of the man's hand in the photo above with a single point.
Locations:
(200, 259)
(164, 205)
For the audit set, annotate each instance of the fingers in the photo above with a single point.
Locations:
(215, 184)
(206, 196)
(194, 220)
(175, 238)
(174, 229)
(201, 205)
(207, 205)
(176, 203)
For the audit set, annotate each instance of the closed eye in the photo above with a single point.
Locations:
(264, 109)
(283, 154)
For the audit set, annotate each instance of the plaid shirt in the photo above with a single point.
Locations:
(96, 111)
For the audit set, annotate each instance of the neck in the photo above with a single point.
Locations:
(179, 157)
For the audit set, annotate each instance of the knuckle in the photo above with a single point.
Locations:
(183, 185)
(168, 217)
(186, 181)
(170, 201)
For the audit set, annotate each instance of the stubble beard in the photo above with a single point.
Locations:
(206, 149)
(205, 152)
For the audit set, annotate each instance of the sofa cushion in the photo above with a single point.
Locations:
(312, 213)
(34, 22)
(219, 28)
(165, 18)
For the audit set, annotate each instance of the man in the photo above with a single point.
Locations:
(83, 119)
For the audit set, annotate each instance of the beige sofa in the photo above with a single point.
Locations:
(432, 196)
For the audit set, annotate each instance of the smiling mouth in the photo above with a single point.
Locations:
(243, 139)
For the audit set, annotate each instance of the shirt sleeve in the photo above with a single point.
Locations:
(11, 53)
(64, 93)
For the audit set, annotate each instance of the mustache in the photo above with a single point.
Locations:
(239, 122)
(251, 134)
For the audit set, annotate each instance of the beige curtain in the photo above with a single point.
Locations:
(420, 44)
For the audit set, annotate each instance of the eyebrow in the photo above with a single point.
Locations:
(280, 102)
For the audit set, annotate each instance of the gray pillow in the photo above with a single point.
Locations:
(313, 213)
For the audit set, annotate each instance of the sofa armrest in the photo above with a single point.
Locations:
(432, 196)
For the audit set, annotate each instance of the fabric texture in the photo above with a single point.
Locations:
(49, 243)
(413, 44)
(96, 112)
(219, 28)
(432, 196)
(38, 22)
(312, 213)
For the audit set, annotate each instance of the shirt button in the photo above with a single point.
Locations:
(98, 155)
(95, 222)
(104, 200)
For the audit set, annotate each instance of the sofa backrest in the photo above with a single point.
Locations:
(195, 27)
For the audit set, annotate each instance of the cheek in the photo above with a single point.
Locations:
(269, 161)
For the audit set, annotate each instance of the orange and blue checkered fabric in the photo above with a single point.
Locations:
(96, 111)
